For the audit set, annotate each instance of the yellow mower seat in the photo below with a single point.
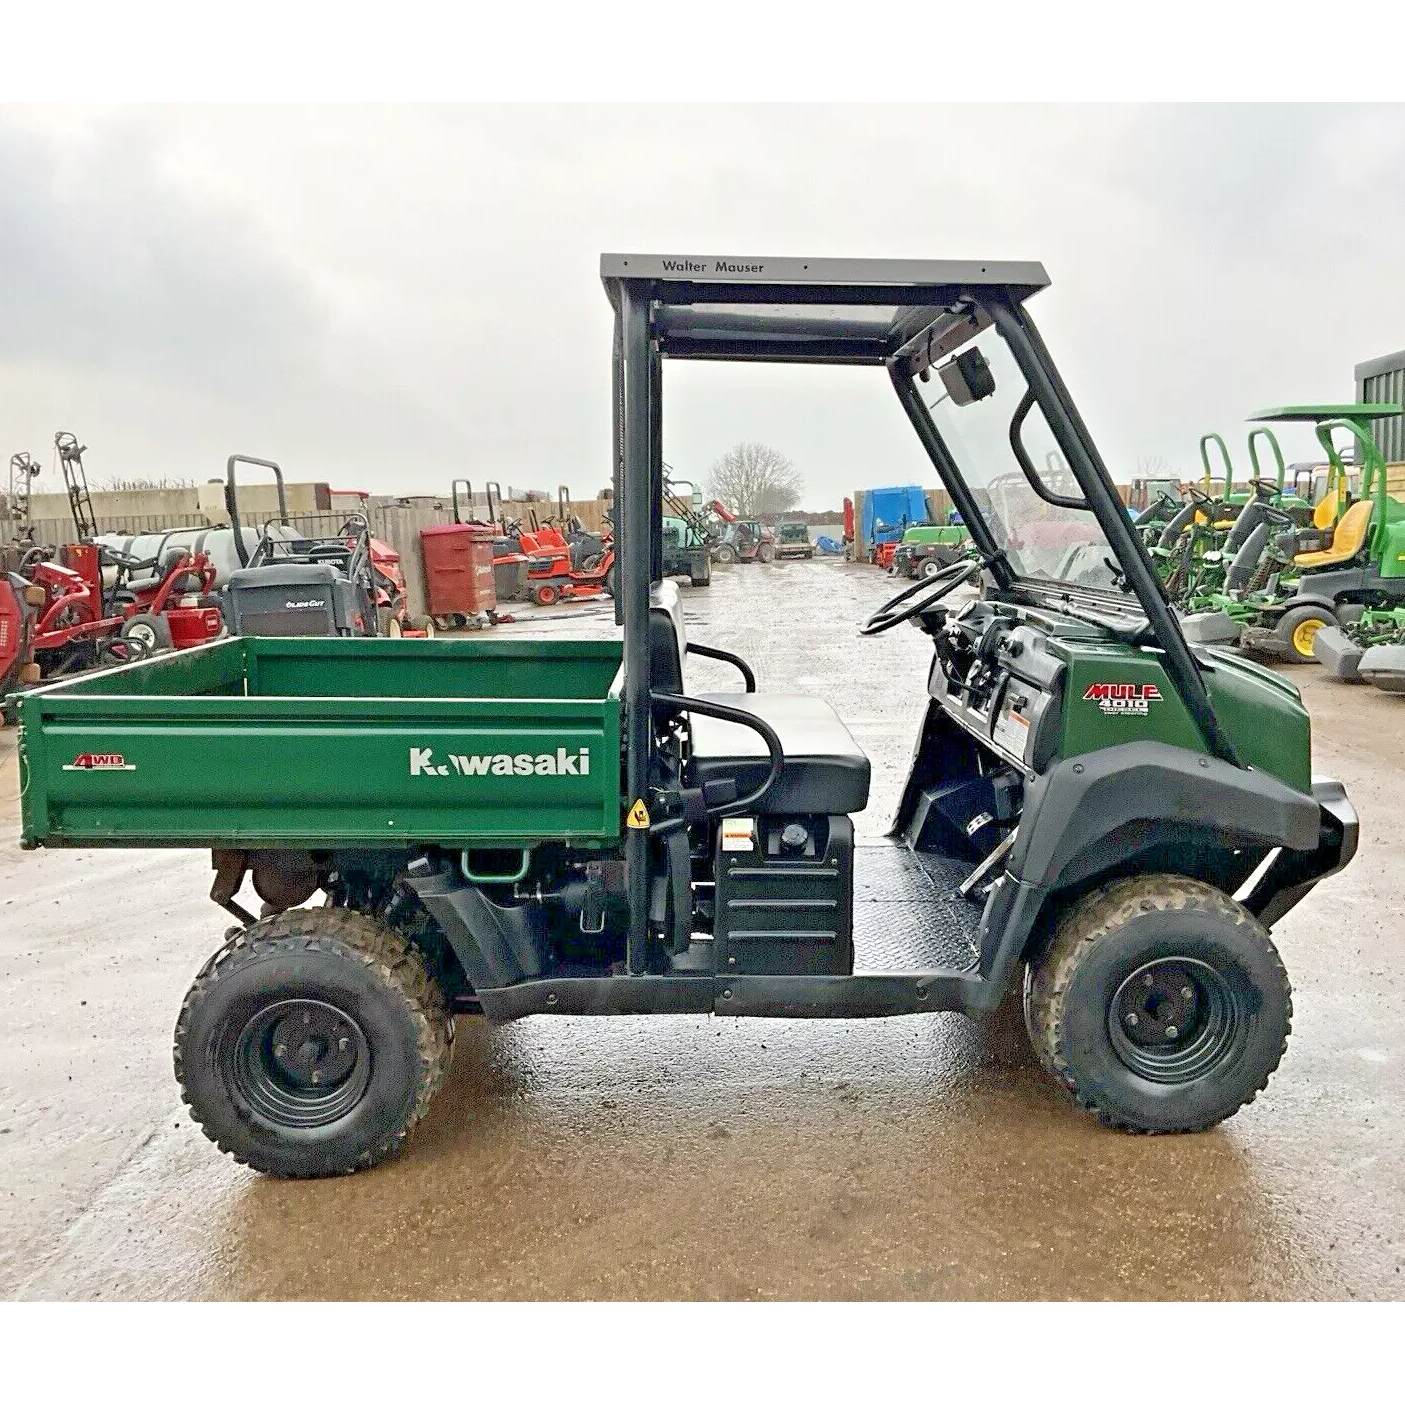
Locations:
(1325, 513)
(1348, 538)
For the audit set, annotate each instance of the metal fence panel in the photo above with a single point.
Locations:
(1382, 382)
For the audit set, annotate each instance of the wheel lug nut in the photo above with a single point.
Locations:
(1132, 1017)
(1187, 992)
(1171, 1032)
(306, 1018)
(1147, 980)
(281, 1050)
(342, 1044)
(316, 1077)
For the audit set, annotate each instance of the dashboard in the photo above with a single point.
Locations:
(994, 675)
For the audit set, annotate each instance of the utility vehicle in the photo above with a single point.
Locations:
(927, 549)
(793, 539)
(1095, 815)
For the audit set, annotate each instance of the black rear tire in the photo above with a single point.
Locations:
(1161, 1004)
(311, 1043)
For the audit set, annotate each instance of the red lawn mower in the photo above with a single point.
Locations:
(585, 570)
(148, 607)
(393, 617)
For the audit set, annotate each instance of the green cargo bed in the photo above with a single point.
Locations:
(323, 743)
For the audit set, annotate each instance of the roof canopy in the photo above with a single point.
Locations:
(1312, 414)
(842, 311)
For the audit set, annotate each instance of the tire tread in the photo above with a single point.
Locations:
(1091, 919)
(394, 961)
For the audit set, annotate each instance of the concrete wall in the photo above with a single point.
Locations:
(257, 501)
(144, 502)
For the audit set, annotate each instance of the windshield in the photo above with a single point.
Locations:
(1041, 540)
(793, 532)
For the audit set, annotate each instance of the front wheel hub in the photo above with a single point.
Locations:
(1175, 1019)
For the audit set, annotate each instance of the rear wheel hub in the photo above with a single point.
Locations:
(301, 1063)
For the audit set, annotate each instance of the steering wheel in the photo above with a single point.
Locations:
(921, 596)
(123, 560)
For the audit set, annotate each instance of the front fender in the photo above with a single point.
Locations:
(1091, 813)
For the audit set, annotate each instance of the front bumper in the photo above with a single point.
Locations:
(1294, 873)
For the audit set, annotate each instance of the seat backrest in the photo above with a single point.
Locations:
(1325, 513)
(1350, 534)
(668, 643)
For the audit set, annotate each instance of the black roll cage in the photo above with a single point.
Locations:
(904, 316)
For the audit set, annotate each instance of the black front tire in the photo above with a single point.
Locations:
(1160, 1004)
(311, 1043)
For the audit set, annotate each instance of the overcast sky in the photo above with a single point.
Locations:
(387, 297)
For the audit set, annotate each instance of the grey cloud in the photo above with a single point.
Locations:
(110, 263)
(393, 296)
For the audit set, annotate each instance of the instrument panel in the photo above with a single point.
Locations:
(994, 676)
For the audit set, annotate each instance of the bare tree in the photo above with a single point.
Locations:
(751, 479)
(1154, 466)
(120, 484)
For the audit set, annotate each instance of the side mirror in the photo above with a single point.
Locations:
(968, 377)
(697, 497)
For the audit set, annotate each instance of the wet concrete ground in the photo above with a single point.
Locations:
(695, 1157)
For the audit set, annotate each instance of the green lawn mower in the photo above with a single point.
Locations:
(928, 548)
(1290, 574)
(1368, 647)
